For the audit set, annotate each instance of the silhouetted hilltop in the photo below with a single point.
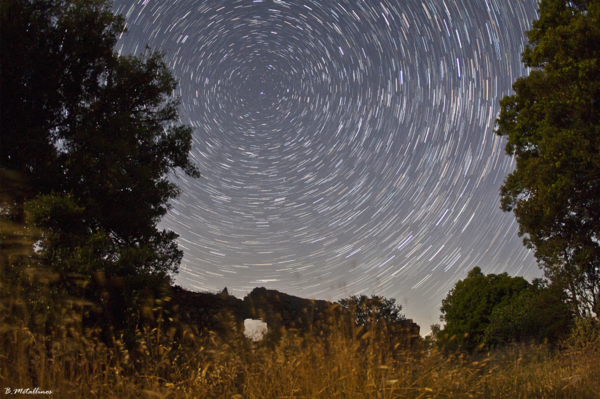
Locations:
(208, 311)
(282, 310)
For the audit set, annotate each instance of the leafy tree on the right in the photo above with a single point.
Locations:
(492, 310)
(538, 313)
(470, 303)
(552, 123)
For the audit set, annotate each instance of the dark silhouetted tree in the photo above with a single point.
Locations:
(96, 134)
(375, 309)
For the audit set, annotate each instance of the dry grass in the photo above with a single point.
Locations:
(170, 364)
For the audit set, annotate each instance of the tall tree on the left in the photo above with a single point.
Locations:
(96, 135)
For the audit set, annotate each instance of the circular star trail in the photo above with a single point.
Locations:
(345, 147)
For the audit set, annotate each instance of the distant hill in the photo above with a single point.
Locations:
(207, 311)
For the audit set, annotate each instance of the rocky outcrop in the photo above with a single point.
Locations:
(282, 310)
(208, 311)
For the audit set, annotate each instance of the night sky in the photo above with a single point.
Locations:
(346, 147)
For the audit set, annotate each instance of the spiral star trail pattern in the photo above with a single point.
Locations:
(346, 147)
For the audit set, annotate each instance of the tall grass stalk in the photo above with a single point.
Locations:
(296, 365)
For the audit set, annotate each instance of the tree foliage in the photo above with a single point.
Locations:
(552, 124)
(539, 313)
(376, 309)
(95, 133)
(496, 309)
(468, 306)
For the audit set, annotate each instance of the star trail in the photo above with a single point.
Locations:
(345, 147)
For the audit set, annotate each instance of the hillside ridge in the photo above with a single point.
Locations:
(205, 310)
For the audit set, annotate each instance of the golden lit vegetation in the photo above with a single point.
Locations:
(178, 363)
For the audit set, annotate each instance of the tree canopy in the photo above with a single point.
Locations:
(469, 304)
(368, 311)
(552, 123)
(96, 135)
(496, 309)
(539, 313)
